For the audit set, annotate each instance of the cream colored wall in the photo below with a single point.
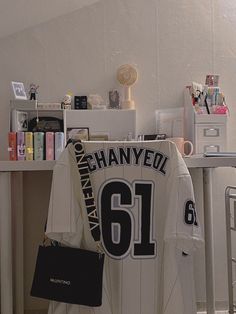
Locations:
(171, 42)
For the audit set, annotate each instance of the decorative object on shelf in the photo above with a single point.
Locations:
(45, 124)
(19, 90)
(127, 75)
(19, 121)
(114, 99)
(208, 99)
(66, 102)
(49, 105)
(33, 91)
(80, 102)
(96, 102)
(212, 80)
(78, 134)
(99, 136)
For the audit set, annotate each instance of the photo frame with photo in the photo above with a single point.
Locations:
(19, 90)
(114, 99)
(19, 121)
(78, 133)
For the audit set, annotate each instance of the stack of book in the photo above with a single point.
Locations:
(35, 145)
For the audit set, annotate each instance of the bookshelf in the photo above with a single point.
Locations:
(103, 124)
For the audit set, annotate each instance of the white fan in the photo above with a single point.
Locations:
(127, 75)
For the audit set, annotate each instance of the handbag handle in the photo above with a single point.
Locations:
(91, 209)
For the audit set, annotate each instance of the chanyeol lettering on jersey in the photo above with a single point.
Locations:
(121, 156)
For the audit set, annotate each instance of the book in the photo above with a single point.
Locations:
(29, 149)
(59, 144)
(49, 146)
(38, 145)
(20, 136)
(12, 148)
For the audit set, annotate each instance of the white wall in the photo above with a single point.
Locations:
(172, 43)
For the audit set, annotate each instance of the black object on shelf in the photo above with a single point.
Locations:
(80, 102)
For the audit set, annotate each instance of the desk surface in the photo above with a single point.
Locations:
(198, 161)
(195, 161)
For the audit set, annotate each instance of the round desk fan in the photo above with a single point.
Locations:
(127, 75)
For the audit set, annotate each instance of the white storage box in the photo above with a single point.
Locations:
(207, 132)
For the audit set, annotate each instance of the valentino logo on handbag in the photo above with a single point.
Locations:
(72, 275)
(60, 281)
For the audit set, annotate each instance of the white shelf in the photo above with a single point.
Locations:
(116, 123)
(34, 165)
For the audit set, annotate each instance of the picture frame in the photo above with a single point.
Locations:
(212, 80)
(151, 137)
(19, 90)
(114, 99)
(170, 121)
(19, 121)
(78, 133)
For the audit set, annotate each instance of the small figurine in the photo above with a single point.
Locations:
(33, 91)
(66, 102)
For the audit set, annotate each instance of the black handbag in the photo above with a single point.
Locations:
(45, 124)
(71, 275)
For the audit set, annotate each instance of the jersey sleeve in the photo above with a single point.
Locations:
(64, 223)
(182, 224)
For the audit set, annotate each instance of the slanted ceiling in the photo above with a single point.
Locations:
(17, 15)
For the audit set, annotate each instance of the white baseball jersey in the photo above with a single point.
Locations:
(145, 202)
